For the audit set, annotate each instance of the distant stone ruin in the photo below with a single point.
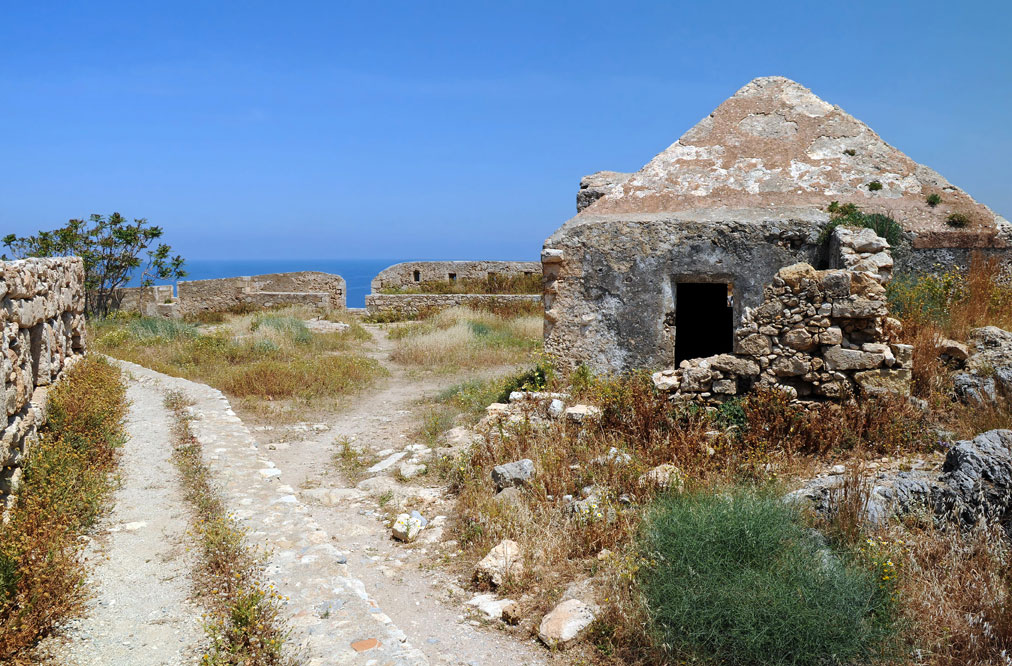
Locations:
(43, 334)
(681, 261)
(400, 290)
(319, 290)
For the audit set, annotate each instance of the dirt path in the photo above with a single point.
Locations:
(406, 581)
(140, 612)
(328, 540)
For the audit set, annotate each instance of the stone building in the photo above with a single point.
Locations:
(669, 263)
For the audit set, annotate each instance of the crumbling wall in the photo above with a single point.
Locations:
(312, 288)
(411, 273)
(817, 334)
(408, 306)
(43, 333)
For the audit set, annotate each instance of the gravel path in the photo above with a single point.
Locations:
(139, 612)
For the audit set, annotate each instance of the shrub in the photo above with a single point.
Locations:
(737, 578)
(66, 482)
(933, 199)
(158, 328)
(874, 186)
(291, 327)
(850, 151)
(850, 215)
(957, 220)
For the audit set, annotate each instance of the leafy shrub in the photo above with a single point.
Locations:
(736, 578)
(874, 186)
(933, 199)
(535, 379)
(957, 220)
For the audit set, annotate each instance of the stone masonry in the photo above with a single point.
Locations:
(416, 273)
(742, 194)
(320, 290)
(42, 320)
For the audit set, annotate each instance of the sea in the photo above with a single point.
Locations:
(357, 273)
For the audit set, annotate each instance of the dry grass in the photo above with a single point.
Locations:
(66, 483)
(261, 357)
(758, 440)
(956, 589)
(244, 621)
(949, 304)
(463, 338)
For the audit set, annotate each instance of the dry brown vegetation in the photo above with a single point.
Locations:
(266, 357)
(464, 338)
(66, 482)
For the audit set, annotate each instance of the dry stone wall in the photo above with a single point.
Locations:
(408, 306)
(312, 288)
(411, 273)
(42, 319)
(817, 334)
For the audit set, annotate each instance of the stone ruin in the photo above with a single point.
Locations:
(43, 334)
(324, 291)
(714, 259)
(414, 274)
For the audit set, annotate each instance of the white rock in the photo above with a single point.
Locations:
(490, 605)
(387, 462)
(564, 624)
(501, 563)
(556, 408)
(410, 470)
(581, 413)
(406, 527)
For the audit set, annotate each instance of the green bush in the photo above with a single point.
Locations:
(736, 578)
(933, 199)
(957, 220)
(850, 216)
(874, 186)
(291, 327)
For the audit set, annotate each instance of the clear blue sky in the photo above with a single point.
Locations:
(445, 130)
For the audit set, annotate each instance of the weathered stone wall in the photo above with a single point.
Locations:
(320, 290)
(407, 306)
(610, 280)
(817, 334)
(411, 273)
(43, 333)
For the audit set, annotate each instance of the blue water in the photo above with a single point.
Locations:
(358, 273)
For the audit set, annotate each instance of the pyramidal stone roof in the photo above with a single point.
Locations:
(776, 145)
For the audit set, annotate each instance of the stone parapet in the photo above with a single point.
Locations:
(407, 306)
(411, 273)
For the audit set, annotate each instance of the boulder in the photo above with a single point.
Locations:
(951, 350)
(516, 473)
(666, 380)
(556, 408)
(893, 380)
(566, 623)
(502, 563)
(977, 478)
(410, 470)
(491, 606)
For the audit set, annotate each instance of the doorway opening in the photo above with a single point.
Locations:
(704, 320)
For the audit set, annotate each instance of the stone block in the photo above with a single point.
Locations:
(861, 308)
(895, 380)
(838, 358)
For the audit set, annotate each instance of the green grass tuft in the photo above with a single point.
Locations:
(736, 578)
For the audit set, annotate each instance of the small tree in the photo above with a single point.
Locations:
(112, 249)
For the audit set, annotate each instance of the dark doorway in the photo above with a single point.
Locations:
(704, 320)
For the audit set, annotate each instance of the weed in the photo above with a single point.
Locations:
(66, 482)
(244, 622)
(957, 220)
(874, 186)
(933, 199)
(850, 151)
(849, 215)
(742, 561)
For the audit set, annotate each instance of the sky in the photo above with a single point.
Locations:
(445, 130)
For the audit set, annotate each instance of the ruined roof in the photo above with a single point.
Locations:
(774, 144)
